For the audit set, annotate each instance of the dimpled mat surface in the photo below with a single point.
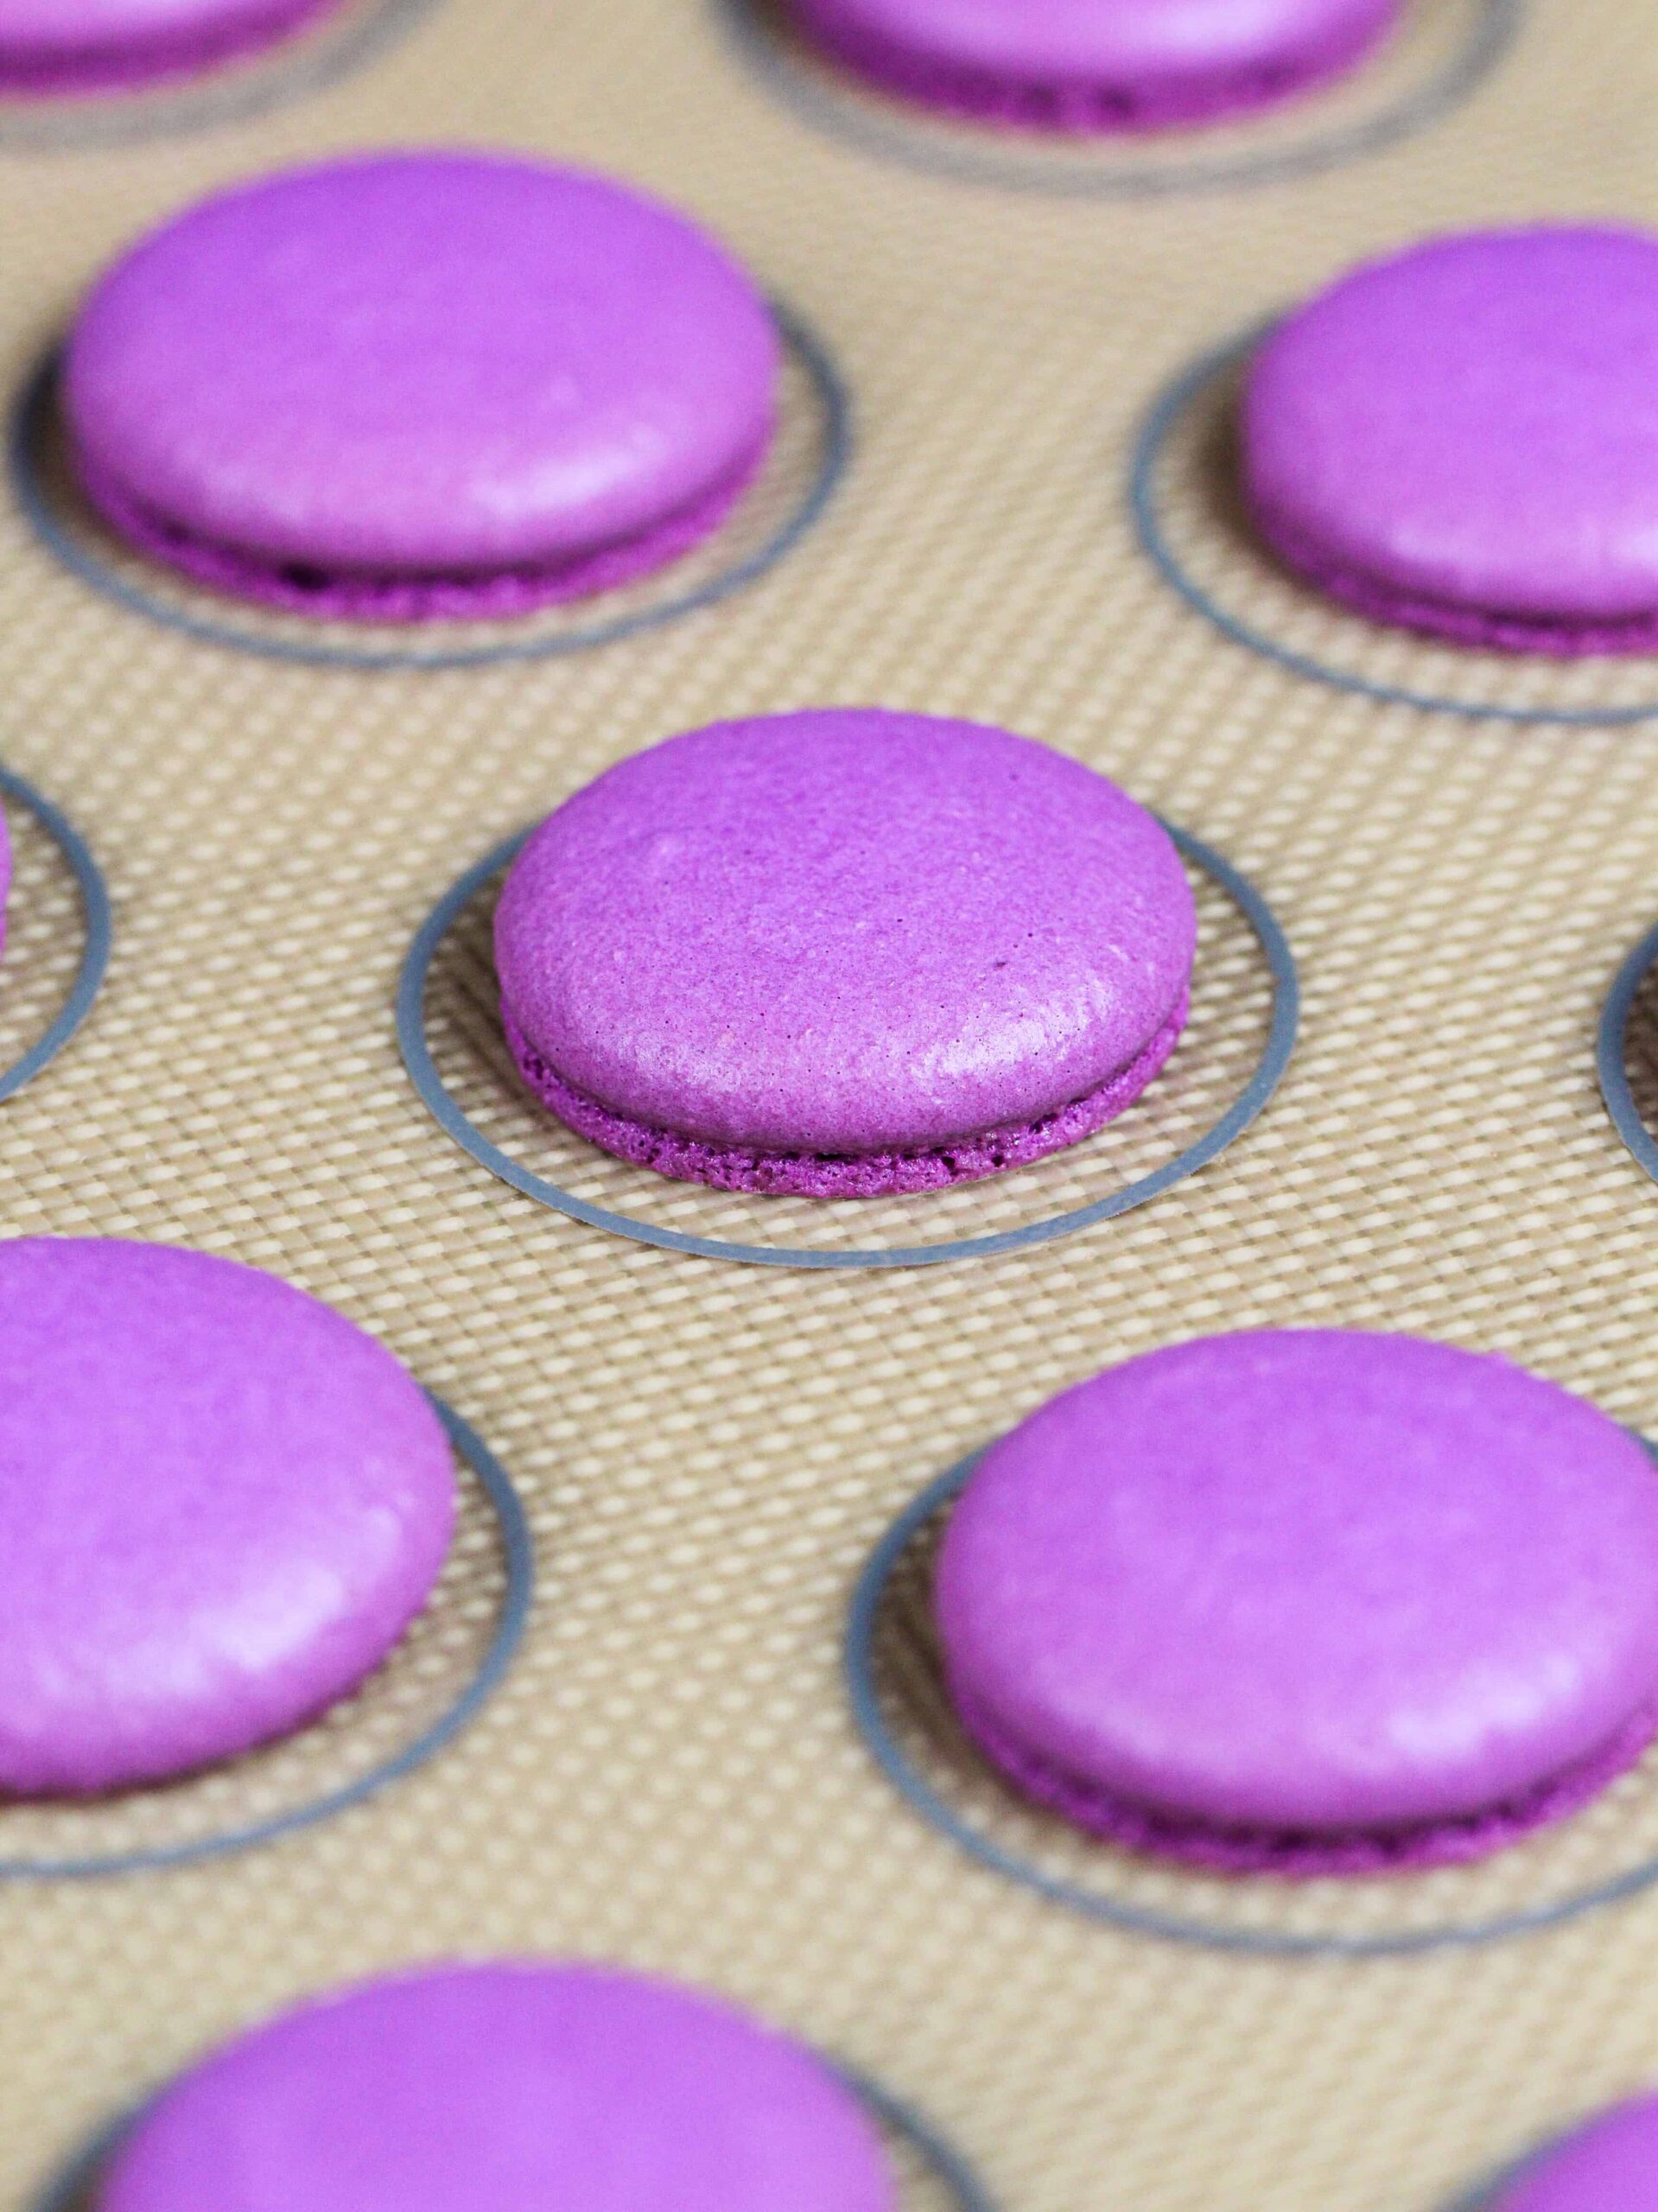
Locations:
(221, 1506)
(516, 2086)
(669, 1775)
(414, 385)
(844, 952)
(1102, 65)
(66, 47)
(1465, 439)
(1308, 1599)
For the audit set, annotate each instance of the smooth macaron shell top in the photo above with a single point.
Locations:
(844, 933)
(1463, 438)
(424, 366)
(221, 1504)
(505, 2088)
(1096, 64)
(1610, 2165)
(68, 46)
(1266, 1597)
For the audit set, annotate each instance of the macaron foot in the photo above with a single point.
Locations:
(1304, 1855)
(1112, 102)
(816, 1175)
(1481, 630)
(337, 595)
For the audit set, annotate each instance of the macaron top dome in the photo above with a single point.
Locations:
(421, 363)
(838, 931)
(1609, 2165)
(221, 1505)
(506, 2088)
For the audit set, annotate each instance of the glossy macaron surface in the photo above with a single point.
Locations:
(1311, 1584)
(221, 1505)
(843, 931)
(1465, 437)
(421, 364)
(505, 2088)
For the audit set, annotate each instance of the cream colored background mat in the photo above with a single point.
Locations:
(708, 1451)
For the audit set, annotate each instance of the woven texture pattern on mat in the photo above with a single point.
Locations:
(671, 1777)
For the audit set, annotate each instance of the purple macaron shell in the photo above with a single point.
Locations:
(421, 384)
(89, 46)
(1096, 65)
(1463, 441)
(1308, 1602)
(505, 2088)
(221, 1505)
(1609, 2165)
(842, 951)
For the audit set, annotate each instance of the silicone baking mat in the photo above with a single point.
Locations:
(708, 1452)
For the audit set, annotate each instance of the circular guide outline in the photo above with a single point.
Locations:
(1611, 1053)
(99, 927)
(239, 88)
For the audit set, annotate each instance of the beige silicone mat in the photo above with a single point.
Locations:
(708, 1451)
